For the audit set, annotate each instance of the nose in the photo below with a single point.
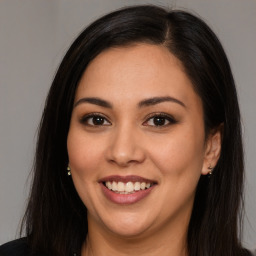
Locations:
(125, 147)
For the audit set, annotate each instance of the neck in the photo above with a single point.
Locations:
(164, 243)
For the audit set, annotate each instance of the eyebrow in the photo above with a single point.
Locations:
(143, 103)
(95, 101)
(157, 100)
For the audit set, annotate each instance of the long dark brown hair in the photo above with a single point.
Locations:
(56, 218)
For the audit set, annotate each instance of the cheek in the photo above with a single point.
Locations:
(84, 154)
(182, 153)
(84, 160)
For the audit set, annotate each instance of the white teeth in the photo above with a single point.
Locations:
(142, 185)
(108, 185)
(127, 188)
(120, 186)
(114, 186)
(137, 186)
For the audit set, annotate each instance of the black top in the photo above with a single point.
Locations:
(20, 247)
(17, 247)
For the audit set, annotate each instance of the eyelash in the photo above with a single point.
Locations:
(85, 119)
(163, 116)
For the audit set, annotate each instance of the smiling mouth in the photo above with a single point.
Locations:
(127, 184)
(126, 190)
(127, 187)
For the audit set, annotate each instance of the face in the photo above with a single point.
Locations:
(136, 142)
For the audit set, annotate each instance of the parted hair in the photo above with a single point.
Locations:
(56, 219)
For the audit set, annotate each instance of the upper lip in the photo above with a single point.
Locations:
(125, 179)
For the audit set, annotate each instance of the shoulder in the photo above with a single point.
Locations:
(17, 247)
(248, 253)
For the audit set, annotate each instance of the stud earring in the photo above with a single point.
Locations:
(211, 170)
(69, 171)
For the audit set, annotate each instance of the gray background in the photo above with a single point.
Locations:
(34, 35)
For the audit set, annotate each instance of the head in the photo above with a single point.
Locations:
(193, 49)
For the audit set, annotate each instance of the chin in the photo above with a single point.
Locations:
(128, 231)
(128, 226)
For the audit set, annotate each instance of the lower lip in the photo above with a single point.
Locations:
(126, 198)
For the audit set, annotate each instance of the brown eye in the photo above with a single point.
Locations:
(160, 120)
(95, 120)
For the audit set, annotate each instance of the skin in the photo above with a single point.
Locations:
(174, 154)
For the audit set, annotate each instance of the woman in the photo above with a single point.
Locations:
(139, 149)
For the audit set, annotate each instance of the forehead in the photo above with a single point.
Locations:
(135, 72)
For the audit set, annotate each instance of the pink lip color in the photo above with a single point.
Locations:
(126, 198)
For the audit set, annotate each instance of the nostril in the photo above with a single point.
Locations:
(124, 159)
(124, 148)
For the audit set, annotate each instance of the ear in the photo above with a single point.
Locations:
(212, 150)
